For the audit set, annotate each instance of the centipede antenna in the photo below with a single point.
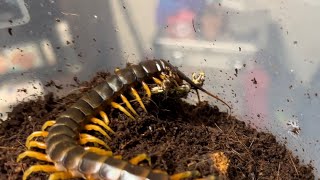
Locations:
(229, 114)
(198, 95)
(216, 97)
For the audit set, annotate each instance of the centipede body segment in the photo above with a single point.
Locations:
(66, 144)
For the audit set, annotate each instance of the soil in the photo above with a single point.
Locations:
(176, 135)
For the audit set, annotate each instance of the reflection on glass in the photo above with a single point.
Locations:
(13, 13)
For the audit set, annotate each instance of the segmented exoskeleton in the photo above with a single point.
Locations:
(64, 136)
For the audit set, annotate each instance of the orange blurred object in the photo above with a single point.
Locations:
(181, 25)
(211, 26)
(23, 59)
(3, 65)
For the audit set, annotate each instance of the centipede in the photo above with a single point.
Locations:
(67, 150)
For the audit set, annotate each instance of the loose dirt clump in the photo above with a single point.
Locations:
(177, 136)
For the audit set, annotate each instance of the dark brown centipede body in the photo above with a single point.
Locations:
(64, 137)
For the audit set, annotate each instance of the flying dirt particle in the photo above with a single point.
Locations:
(22, 90)
(52, 83)
(236, 74)
(254, 81)
(10, 31)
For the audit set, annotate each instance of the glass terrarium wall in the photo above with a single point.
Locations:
(45, 44)
(259, 56)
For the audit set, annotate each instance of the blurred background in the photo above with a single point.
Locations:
(262, 57)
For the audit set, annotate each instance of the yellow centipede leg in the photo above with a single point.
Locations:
(138, 98)
(147, 89)
(37, 144)
(101, 123)
(36, 134)
(141, 157)
(159, 171)
(37, 168)
(61, 175)
(99, 151)
(85, 138)
(125, 100)
(47, 124)
(118, 106)
(186, 174)
(90, 127)
(163, 77)
(118, 157)
(34, 154)
(208, 178)
(157, 81)
(104, 117)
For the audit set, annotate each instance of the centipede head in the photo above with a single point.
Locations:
(195, 83)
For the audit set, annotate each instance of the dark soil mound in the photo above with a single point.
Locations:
(177, 136)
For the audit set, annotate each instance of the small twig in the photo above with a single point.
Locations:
(234, 151)
(10, 138)
(251, 143)
(218, 127)
(151, 101)
(126, 144)
(163, 149)
(22, 144)
(3, 147)
(245, 147)
(295, 168)
(278, 174)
